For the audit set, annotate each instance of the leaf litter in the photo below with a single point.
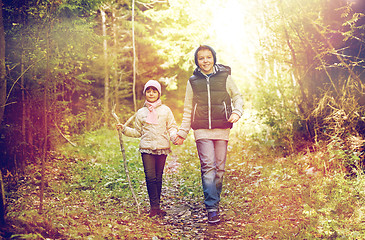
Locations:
(251, 208)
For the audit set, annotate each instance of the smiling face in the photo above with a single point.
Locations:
(205, 61)
(152, 94)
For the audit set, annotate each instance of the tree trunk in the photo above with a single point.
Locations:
(106, 70)
(45, 129)
(2, 105)
(134, 59)
(29, 130)
(2, 66)
(24, 114)
(115, 62)
(2, 201)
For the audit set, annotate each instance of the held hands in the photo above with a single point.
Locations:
(233, 118)
(178, 140)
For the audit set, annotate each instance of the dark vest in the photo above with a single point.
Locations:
(211, 101)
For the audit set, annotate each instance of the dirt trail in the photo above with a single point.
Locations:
(188, 217)
(255, 218)
(255, 210)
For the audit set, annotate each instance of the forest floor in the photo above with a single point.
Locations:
(189, 218)
(79, 218)
(264, 197)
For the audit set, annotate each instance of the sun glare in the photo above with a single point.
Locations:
(228, 23)
(234, 28)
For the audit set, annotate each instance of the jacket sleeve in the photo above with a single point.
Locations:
(188, 106)
(171, 125)
(135, 132)
(236, 96)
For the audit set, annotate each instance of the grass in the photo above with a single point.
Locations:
(265, 196)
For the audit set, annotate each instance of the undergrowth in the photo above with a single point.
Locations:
(265, 196)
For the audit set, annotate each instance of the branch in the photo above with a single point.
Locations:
(26, 70)
(120, 134)
(333, 49)
(68, 140)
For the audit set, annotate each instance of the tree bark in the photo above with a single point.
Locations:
(2, 65)
(45, 129)
(106, 70)
(134, 59)
(115, 60)
(2, 105)
(24, 114)
(2, 201)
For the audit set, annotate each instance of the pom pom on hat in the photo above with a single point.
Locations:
(152, 83)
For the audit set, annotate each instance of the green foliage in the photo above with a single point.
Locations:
(306, 88)
(336, 208)
(294, 198)
(276, 108)
(106, 166)
(264, 196)
(51, 52)
(57, 47)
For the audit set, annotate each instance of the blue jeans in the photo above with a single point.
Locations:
(212, 155)
(153, 168)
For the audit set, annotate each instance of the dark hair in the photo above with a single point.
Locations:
(205, 47)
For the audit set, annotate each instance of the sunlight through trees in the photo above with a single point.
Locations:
(299, 64)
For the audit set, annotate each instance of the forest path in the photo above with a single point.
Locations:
(258, 202)
(188, 217)
(263, 216)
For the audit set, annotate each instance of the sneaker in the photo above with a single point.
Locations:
(213, 217)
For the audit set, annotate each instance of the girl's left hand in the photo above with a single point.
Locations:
(233, 118)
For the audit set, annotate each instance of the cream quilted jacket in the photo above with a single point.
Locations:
(154, 136)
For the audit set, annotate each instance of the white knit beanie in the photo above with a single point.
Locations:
(152, 83)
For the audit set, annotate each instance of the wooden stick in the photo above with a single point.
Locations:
(120, 134)
(64, 136)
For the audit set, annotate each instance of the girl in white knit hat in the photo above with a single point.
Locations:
(156, 126)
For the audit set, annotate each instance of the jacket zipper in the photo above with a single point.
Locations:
(225, 109)
(194, 112)
(209, 105)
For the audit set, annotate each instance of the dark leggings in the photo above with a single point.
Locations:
(153, 170)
